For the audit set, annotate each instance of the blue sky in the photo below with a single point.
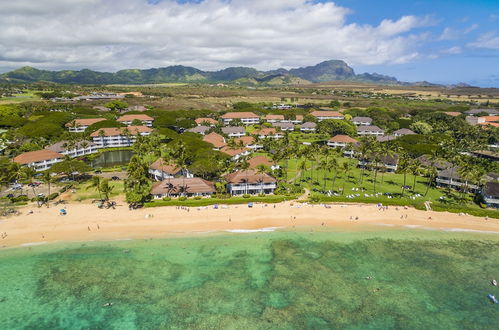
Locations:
(440, 41)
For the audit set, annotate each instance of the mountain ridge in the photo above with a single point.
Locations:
(325, 71)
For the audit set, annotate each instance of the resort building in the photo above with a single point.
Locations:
(39, 160)
(235, 154)
(325, 115)
(308, 127)
(247, 118)
(160, 171)
(216, 140)
(362, 121)
(370, 130)
(79, 149)
(472, 120)
(113, 137)
(254, 162)
(489, 111)
(250, 182)
(342, 141)
(450, 178)
(271, 133)
(490, 194)
(188, 187)
(199, 130)
(80, 125)
(248, 142)
(128, 119)
(274, 118)
(234, 131)
(284, 126)
(402, 132)
(389, 163)
(490, 121)
(206, 122)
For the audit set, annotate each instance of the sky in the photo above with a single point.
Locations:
(441, 41)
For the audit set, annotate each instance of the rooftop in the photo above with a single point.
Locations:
(36, 156)
(84, 122)
(116, 131)
(326, 114)
(135, 117)
(239, 115)
(200, 121)
(233, 129)
(186, 185)
(491, 189)
(260, 160)
(343, 139)
(64, 145)
(249, 176)
(217, 140)
(160, 165)
(369, 129)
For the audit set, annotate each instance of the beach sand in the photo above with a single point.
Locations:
(85, 222)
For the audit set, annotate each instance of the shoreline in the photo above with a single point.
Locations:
(84, 222)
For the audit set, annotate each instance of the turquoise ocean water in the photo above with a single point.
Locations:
(278, 280)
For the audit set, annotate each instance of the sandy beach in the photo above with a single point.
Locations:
(85, 222)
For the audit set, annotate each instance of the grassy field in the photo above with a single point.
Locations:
(84, 192)
(349, 188)
(29, 95)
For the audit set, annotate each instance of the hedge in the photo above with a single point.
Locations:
(213, 201)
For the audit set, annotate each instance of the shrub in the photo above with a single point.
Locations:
(246, 196)
(166, 199)
(20, 198)
(53, 195)
(197, 197)
(182, 198)
(261, 195)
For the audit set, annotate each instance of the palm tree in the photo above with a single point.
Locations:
(302, 167)
(261, 170)
(106, 188)
(48, 179)
(95, 183)
(346, 166)
(415, 168)
(363, 148)
(403, 167)
(333, 165)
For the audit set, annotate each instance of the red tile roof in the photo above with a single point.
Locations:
(134, 117)
(161, 166)
(232, 152)
(217, 140)
(326, 114)
(36, 156)
(115, 131)
(343, 139)
(192, 185)
(84, 122)
(239, 115)
(260, 160)
(200, 121)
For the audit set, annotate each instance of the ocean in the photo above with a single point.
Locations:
(389, 279)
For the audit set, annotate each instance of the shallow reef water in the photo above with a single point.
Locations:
(268, 280)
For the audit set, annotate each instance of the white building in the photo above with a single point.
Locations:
(370, 130)
(490, 194)
(113, 137)
(80, 125)
(79, 149)
(234, 131)
(250, 182)
(390, 163)
(362, 121)
(308, 127)
(247, 118)
(326, 115)
(160, 171)
(128, 119)
(39, 160)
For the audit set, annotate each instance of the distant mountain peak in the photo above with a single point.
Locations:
(325, 71)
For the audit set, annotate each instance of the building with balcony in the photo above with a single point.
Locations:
(370, 130)
(78, 149)
(490, 194)
(388, 163)
(160, 171)
(234, 131)
(80, 125)
(188, 187)
(362, 121)
(246, 118)
(325, 115)
(113, 137)
(128, 120)
(250, 182)
(39, 160)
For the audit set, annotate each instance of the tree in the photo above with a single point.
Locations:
(70, 166)
(106, 188)
(95, 183)
(137, 185)
(116, 105)
(421, 127)
(48, 180)
(334, 127)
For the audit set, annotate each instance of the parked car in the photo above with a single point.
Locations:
(115, 178)
(17, 186)
(98, 172)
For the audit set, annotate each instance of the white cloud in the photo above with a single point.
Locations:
(211, 34)
(487, 40)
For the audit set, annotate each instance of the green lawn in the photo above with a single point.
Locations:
(348, 188)
(19, 98)
(212, 201)
(83, 192)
